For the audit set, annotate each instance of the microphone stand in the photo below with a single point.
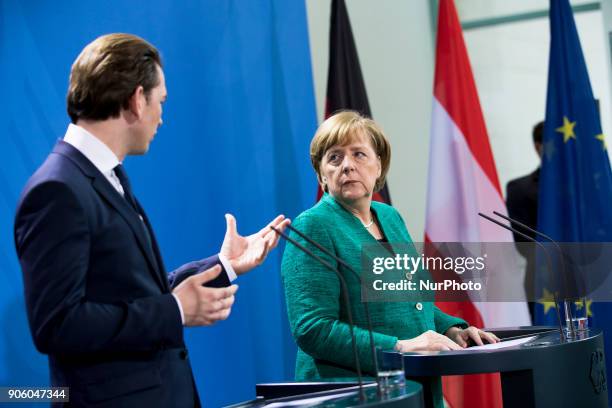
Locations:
(566, 303)
(362, 397)
(363, 292)
(549, 262)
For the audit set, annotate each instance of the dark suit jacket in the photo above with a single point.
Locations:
(522, 203)
(97, 294)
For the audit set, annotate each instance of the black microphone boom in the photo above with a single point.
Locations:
(568, 312)
(366, 308)
(528, 238)
(346, 301)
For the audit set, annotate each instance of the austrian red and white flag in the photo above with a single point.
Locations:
(462, 182)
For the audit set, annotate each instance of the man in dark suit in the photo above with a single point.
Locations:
(99, 300)
(522, 203)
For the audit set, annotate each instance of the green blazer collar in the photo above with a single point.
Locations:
(385, 215)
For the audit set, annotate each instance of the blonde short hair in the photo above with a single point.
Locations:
(341, 129)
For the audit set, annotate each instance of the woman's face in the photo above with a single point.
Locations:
(350, 172)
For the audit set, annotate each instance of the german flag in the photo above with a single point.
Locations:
(345, 86)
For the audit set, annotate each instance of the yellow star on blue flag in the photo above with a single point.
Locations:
(575, 184)
(602, 139)
(547, 301)
(567, 129)
(579, 306)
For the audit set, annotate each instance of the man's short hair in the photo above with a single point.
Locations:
(538, 131)
(107, 72)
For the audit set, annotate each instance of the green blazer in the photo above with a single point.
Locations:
(317, 314)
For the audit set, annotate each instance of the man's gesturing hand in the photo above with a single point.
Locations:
(245, 253)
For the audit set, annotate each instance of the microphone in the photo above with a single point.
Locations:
(549, 262)
(568, 314)
(364, 293)
(345, 296)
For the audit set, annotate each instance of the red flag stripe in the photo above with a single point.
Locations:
(454, 86)
(462, 181)
(469, 390)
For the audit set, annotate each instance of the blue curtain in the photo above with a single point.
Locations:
(237, 125)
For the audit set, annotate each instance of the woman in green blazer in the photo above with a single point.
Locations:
(351, 157)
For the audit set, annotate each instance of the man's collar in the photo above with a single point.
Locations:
(98, 153)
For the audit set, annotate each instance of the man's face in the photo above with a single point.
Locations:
(151, 117)
(538, 148)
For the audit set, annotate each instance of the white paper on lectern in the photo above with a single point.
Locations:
(502, 344)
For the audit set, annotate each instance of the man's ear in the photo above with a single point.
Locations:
(137, 102)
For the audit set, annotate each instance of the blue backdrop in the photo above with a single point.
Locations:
(237, 124)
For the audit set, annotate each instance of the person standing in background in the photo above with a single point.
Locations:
(522, 203)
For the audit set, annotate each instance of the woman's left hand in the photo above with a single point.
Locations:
(463, 336)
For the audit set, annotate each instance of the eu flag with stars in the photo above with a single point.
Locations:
(575, 196)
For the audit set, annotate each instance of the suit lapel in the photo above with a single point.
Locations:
(110, 195)
(386, 226)
(154, 247)
(395, 240)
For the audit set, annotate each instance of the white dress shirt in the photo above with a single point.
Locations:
(103, 158)
(99, 154)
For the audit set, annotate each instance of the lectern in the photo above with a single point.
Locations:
(542, 372)
(337, 395)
